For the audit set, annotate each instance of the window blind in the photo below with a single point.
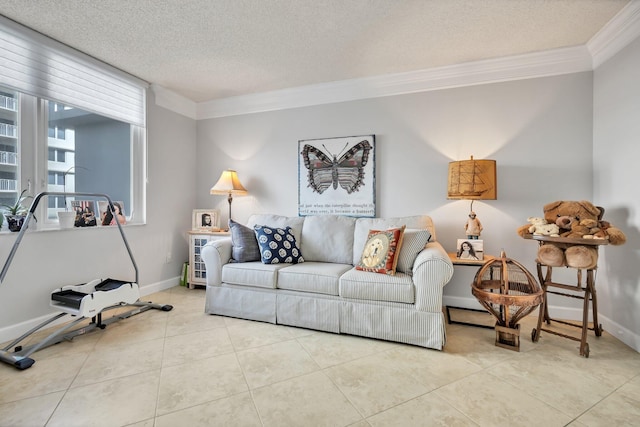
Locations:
(38, 65)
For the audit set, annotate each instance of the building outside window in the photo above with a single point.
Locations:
(8, 146)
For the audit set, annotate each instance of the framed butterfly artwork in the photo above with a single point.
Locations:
(336, 176)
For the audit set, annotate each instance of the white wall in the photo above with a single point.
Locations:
(615, 175)
(539, 131)
(49, 259)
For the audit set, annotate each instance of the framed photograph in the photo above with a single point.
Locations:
(470, 249)
(107, 217)
(206, 219)
(85, 213)
(337, 176)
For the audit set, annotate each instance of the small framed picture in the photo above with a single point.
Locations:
(470, 249)
(206, 219)
(107, 215)
(85, 213)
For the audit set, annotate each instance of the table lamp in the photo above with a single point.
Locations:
(472, 180)
(229, 184)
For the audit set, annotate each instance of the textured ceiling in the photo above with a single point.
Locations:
(212, 49)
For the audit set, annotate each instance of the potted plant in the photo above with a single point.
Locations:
(17, 212)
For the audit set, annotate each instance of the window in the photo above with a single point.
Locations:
(68, 123)
(56, 132)
(85, 152)
(56, 155)
(91, 154)
(56, 178)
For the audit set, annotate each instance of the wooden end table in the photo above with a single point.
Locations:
(473, 263)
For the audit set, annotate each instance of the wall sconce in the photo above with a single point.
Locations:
(229, 184)
(472, 180)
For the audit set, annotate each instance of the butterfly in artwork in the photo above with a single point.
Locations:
(347, 171)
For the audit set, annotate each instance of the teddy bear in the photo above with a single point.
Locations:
(540, 227)
(582, 229)
(575, 220)
(605, 230)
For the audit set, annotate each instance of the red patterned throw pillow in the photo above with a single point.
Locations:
(380, 253)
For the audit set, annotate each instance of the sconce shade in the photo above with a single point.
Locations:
(229, 184)
(472, 180)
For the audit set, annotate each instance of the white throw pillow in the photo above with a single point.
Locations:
(414, 241)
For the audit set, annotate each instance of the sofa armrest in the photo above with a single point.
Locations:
(215, 254)
(432, 269)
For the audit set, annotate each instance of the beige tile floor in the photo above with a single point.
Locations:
(185, 368)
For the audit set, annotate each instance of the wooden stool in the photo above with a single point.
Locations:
(584, 291)
(589, 291)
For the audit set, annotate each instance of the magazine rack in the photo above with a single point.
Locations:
(85, 301)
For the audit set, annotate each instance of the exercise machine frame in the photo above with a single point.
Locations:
(92, 306)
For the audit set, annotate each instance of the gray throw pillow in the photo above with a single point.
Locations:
(413, 242)
(244, 244)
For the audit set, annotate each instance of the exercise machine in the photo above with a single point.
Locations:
(88, 301)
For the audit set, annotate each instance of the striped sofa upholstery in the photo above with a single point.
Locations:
(326, 292)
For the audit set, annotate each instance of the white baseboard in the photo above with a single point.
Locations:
(461, 302)
(627, 336)
(14, 331)
(159, 286)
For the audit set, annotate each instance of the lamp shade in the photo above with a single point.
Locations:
(472, 180)
(229, 184)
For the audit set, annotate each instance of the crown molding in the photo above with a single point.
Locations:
(174, 102)
(618, 33)
(621, 30)
(539, 64)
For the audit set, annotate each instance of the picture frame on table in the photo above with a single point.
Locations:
(470, 249)
(205, 219)
(85, 213)
(106, 216)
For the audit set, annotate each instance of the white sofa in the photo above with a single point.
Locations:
(326, 292)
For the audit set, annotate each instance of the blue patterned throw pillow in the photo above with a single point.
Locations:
(277, 245)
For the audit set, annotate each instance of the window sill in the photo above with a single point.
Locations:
(55, 227)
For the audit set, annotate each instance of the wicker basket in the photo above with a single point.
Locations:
(509, 292)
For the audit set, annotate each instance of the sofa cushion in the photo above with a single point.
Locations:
(328, 238)
(294, 222)
(244, 244)
(412, 243)
(364, 285)
(363, 225)
(277, 245)
(252, 274)
(316, 277)
(381, 250)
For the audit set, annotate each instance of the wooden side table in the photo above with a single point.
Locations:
(473, 263)
(588, 291)
(477, 262)
(197, 239)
